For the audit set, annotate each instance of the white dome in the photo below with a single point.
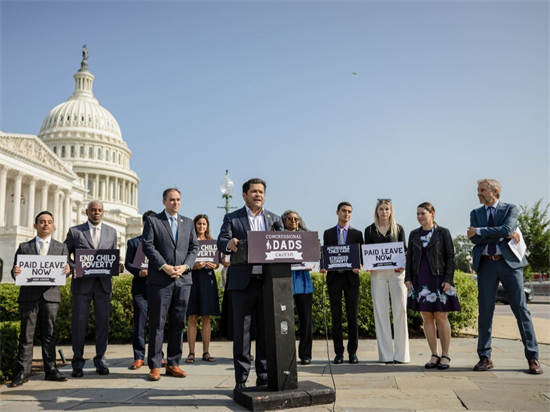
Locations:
(79, 115)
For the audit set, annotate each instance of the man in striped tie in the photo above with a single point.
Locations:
(492, 227)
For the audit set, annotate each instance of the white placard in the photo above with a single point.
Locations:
(38, 270)
(380, 256)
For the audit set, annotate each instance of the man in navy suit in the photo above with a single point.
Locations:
(492, 226)
(344, 282)
(245, 281)
(170, 243)
(91, 235)
(38, 303)
(139, 297)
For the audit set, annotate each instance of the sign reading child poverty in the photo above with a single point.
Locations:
(383, 256)
(140, 260)
(341, 257)
(208, 252)
(96, 262)
(40, 270)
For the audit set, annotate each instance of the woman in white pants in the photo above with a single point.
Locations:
(386, 282)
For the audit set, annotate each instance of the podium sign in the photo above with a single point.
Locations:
(283, 247)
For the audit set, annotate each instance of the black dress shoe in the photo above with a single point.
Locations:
(353, 359)
(338, 359)
(55, 376)
(306, 361)
(444, 366)
(77, 373)
(19, 380)
(102, 370)
(433, 365)
(261, 382)
(240, 385)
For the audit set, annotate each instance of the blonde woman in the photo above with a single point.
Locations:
(386, 282)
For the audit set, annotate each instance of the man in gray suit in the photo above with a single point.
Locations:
(245, 281)
(492, 226)
(91, 235)
(170, 243)
(38, 302)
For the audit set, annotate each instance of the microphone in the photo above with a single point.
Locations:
(277, 227)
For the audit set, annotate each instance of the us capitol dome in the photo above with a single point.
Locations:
(87, 137)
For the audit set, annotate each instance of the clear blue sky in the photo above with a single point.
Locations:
(445, 93)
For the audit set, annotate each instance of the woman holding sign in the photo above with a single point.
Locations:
(203, 300)
(429, 278)
(386, 282)
(302, 289)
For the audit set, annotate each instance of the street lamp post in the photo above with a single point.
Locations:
(226, 187)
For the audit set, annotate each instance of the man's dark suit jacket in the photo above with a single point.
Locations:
(139, 284)
(506, 222)
(33, 293)
(236, 225)
(79, 237)
(330, 238)
(160, 248)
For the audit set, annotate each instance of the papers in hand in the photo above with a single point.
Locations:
(518, 248)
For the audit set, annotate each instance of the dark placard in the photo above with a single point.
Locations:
(208, 252)
(96, 262)
(140, 260)
(341, 257)
(283, 247)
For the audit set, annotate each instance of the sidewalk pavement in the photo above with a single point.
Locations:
(367, 386)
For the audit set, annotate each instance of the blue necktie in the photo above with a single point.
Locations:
(491, 247)
(174, 227)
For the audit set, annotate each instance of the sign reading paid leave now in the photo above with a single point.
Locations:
(38, 270)
(383, 256)
(96, 262)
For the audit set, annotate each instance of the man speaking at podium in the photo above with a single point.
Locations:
(245, 281)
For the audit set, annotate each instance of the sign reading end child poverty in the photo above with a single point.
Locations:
(341, 257)
(283, 247)
(208, 252)
(96, 262)
(39, 270)
(384, 256)
(140, 260)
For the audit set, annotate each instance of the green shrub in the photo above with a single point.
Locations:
(9, 333)
(9, 293)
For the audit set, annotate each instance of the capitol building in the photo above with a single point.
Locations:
(77, 156)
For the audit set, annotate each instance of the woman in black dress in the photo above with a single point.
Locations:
(203, 300)
(429, 278)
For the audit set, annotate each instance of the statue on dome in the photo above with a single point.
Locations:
(84, 64)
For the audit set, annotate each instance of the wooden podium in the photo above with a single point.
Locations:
(273, 250)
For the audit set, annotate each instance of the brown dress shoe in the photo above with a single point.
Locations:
(484, 364)
(154, 375)
(534, 366)
(175, 371)
(136, 365)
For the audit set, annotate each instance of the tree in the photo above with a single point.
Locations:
(463, 251)
(535, 227)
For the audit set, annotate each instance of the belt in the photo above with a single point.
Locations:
(494, 257)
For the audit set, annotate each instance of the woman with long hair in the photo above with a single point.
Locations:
(429, 278)
(302, 289)
(386, 282)
(203, 300)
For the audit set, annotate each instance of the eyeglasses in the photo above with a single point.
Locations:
(384, 200)
(293, 219)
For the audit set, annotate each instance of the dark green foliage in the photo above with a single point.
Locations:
(535, 227)
(9, 333)
(9, 293)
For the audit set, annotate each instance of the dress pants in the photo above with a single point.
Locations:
(304, 303)
(341, 285)
(140, 319)
(166, 300)
(383, 283)
(31, 312)
(488, 276)
(79, 324)
(245, 303)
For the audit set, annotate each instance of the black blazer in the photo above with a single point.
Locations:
(139, 284)
(330, 238)
(79, 237)
(33, 293)
(160, 248)
(236, 225)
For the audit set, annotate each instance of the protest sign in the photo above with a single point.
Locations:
(341, 257)
(96, 262)
(41, 270)
(383, 256)
(208, 252)
(140, 260)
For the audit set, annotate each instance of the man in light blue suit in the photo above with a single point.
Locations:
(492, 226)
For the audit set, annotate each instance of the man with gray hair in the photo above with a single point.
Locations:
(492, 226)
(92, 234)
